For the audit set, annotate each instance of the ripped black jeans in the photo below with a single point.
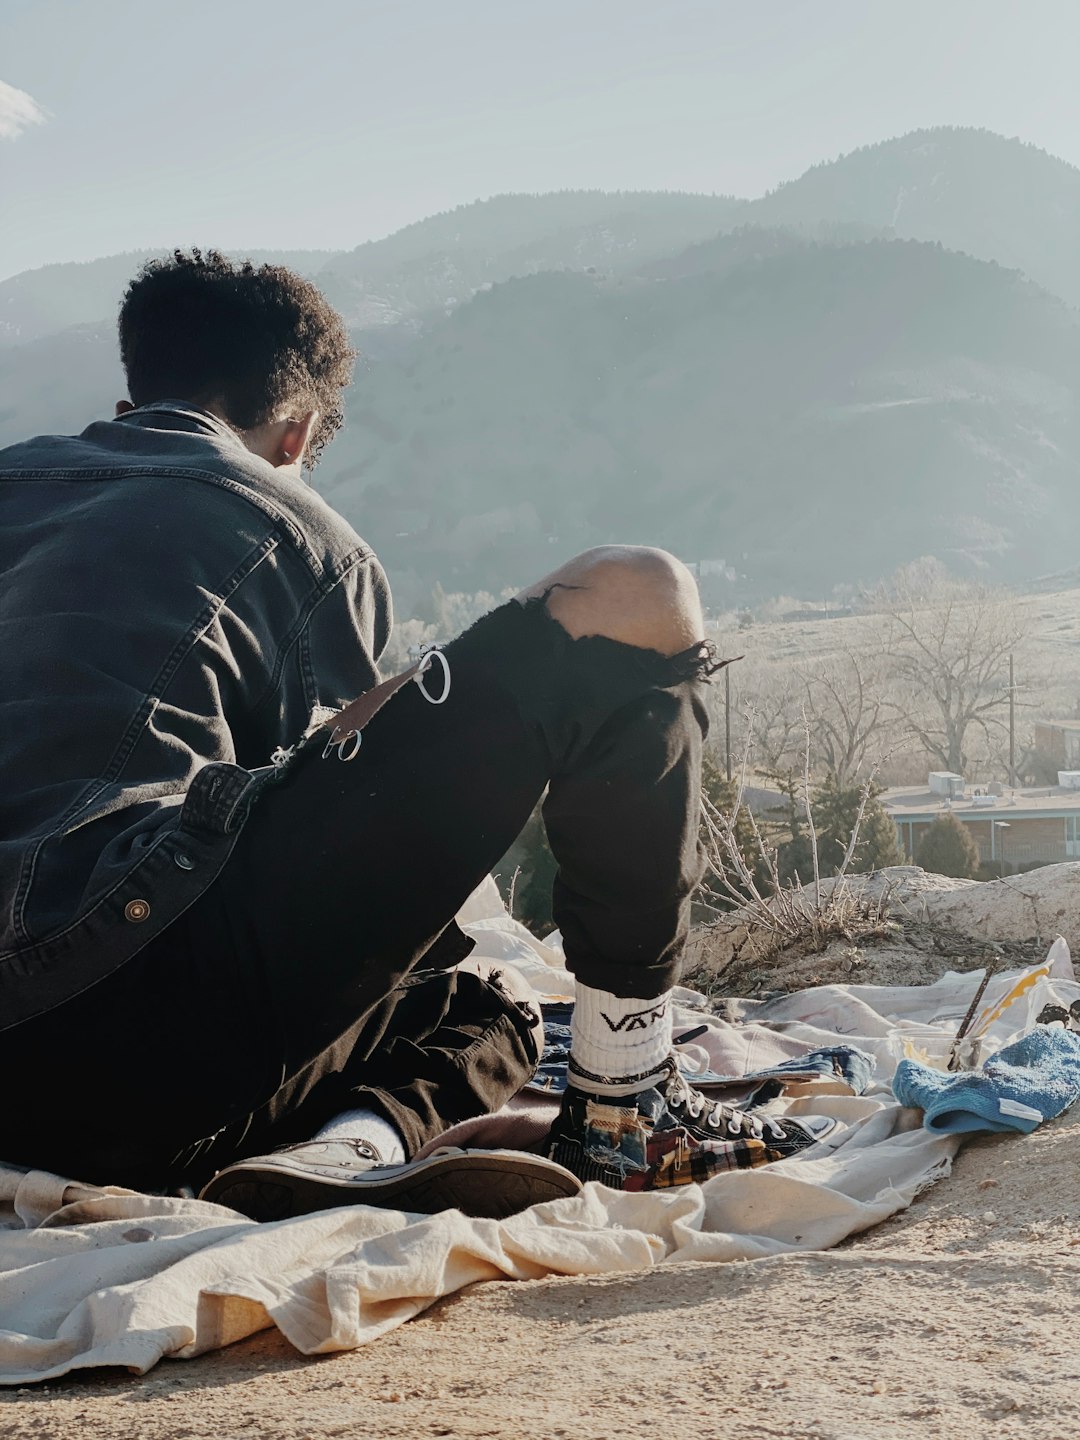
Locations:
(313, 974)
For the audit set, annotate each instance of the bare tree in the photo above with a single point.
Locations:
(842, 701)
(771, 693)
(947, 648)
(847, 710)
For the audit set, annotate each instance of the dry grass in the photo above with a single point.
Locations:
(1047, 669)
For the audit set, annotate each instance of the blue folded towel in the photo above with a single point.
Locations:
(1017, 1089)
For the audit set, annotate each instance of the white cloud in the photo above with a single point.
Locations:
(18, 111)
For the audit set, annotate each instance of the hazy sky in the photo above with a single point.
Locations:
(130, 124)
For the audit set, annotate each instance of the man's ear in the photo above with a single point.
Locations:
(294, 438)
(122, 408)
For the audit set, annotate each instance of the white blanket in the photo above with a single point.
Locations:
(107, 1277)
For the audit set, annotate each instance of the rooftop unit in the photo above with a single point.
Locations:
(1069, 779)
(944, 782)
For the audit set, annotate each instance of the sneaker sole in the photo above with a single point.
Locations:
(489, 1186)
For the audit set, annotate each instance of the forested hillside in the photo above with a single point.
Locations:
(790, 390)
(995, 198)
(444, 260)
(810, 416)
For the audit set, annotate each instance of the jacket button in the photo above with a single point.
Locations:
(183, 862)
(136, 911)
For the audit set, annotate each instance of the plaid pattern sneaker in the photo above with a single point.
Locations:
(670, 1135)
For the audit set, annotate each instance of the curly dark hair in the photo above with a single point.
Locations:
(250, 340)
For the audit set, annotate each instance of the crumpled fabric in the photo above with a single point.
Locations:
(92, 1277)
(127, 1279)
(1024, 1084)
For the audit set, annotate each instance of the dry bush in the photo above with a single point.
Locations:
(783, 915)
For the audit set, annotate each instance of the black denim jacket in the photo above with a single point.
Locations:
(172, 611)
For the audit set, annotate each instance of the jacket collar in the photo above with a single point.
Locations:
(191, 420)
(180, 415)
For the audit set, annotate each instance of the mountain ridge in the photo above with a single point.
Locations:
(976, 191)
(739, 380)
(443, 259)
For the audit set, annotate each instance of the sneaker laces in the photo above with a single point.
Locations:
(681, 1095)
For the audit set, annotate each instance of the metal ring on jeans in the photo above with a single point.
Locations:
(338, 741)
(425, 666)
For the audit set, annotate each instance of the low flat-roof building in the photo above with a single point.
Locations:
(1057, 743)
(1014, 829)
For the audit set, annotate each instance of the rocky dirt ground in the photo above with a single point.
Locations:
(906, 928)
(957, 1318)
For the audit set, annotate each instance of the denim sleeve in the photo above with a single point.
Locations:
(328, 657)
(347, 632)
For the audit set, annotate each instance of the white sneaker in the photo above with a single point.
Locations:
(323, 1174)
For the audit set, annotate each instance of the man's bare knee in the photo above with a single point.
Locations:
(632, 593)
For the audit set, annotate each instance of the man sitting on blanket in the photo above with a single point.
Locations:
(228, 903)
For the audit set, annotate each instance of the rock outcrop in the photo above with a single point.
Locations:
(899, 926)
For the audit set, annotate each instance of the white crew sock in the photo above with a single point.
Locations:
(366, 1125)
(618, 1046)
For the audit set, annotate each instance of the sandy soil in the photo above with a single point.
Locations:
(957, 1318)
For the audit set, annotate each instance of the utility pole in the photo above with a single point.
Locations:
(1012, 727)
(727, 718)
